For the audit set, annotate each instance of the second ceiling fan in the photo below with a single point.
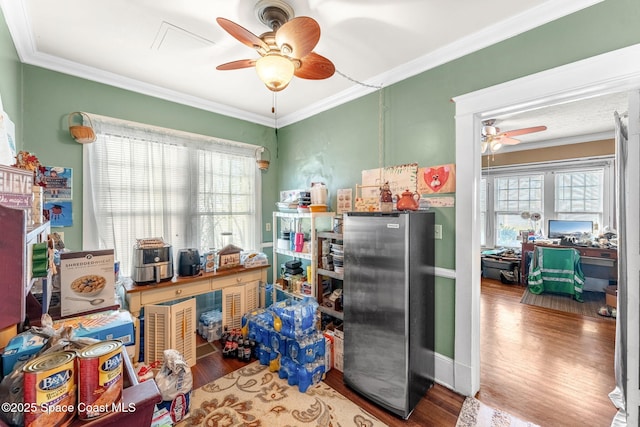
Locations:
(285, 51)
(493, 139)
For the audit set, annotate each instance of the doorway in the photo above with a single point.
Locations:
(607, 73)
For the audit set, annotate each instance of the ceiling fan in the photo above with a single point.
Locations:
(285, 51)
(493, 139)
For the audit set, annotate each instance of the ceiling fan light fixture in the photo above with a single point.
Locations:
(495, 145)
(483, 146)
(275, 71)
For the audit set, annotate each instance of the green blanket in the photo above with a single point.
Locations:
(556, 270)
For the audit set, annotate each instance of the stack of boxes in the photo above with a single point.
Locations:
(210, 325)
(289, 341)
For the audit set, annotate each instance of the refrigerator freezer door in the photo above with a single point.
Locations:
(375, 300)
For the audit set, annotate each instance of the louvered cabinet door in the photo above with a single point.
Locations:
(157, 332)
(252, 296)
(170, 326)
(183, 326)
(232, 309)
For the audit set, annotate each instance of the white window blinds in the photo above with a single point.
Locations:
(143, 181)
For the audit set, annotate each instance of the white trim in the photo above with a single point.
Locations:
(444, 272)
(444, 371)
(607, 73)
(20, 28)
(633, 261)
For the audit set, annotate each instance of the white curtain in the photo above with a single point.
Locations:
(618, 395)
(142, 181)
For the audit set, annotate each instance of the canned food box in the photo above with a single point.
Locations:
(106, 325)
(21, 347)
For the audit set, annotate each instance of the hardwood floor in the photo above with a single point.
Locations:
(551, 368)
(544, 366)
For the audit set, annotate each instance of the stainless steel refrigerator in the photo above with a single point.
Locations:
(388, 303)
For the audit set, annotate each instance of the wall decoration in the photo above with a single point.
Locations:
(345, 200)
(56, 181)
(16, 186)
(437, 202)
(400, 178)
(437, 179)
(59, 212)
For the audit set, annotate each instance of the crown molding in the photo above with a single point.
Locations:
(19, 26)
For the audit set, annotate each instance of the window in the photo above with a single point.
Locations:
(513, 196)
(143, 181)
(575, 190)
(578, 196)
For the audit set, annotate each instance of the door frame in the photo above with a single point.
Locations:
(607, 73)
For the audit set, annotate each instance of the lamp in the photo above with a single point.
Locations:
(275, 71)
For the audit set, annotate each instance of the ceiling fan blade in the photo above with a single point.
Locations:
(523, 131)
(315, 67)
(235, 65)
(242, 34)
(298, 37)
(505, 140)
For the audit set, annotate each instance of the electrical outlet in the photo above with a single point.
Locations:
(437, 234)
(267, 226)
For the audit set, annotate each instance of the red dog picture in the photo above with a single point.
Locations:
(437, 179)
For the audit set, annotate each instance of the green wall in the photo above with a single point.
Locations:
(419, 119)
(10, 77)
(50, 96)
(333, 146)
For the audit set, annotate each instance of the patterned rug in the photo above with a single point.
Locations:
(253, 396)
(476, 414)
(592, 302)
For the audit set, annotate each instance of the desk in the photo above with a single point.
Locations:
(595, 262)
(180, 287)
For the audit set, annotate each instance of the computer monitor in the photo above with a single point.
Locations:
(559, 228)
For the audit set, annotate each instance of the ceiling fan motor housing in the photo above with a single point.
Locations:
(273, 13)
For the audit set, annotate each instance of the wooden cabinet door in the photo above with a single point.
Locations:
(12, 266)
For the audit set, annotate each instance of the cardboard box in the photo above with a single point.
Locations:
(338, 349)
(328, 351)
(107, 325)
(87, 281)
(611, 296)
(21, 347)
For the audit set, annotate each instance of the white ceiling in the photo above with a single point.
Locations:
(170, 49)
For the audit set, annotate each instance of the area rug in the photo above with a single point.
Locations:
(253, 396)
(476, 414)
(592, 302)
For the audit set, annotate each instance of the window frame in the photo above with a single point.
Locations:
(549, 170)
(191, 148)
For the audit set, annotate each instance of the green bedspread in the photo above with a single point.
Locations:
(556, 270)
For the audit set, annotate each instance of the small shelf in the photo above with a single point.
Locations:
(304, 255)
(293, 294)
(310, 224)
(330, 273)
(330, 235)
(331, 312)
